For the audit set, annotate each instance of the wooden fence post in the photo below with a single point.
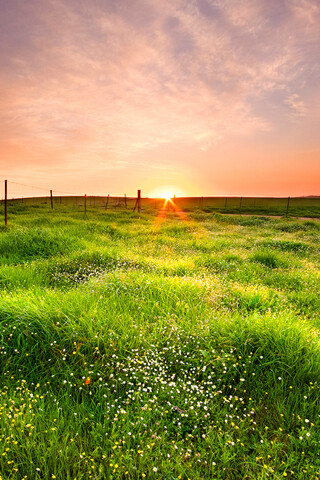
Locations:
(6, 202)
(85, 204)
(288, 202)
(107, 201)
(51, 199)
(125, 200)
(240, 205)
(225, 203)
(138, 202)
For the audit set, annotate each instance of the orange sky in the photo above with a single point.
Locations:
(201, 97)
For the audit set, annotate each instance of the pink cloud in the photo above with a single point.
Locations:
(99, 85)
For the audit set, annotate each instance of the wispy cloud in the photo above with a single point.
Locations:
(297, 106)
(105, 80)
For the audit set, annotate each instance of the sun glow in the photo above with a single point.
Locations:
(167, 195)
(167, 192)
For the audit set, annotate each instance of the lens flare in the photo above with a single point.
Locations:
(167, 195)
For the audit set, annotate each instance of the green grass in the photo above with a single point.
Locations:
(138, 348)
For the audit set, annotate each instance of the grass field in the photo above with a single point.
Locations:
(137, 346)
(296, 206)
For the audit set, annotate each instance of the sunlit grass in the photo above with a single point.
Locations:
(133, 349)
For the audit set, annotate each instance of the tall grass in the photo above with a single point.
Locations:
(134, 348)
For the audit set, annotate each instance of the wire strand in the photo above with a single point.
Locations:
(130, 194)
(40, 188)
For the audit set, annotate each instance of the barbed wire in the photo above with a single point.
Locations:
(72, 193)
(40, 188)
(29, 186)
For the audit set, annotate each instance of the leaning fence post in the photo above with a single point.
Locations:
(138, 202)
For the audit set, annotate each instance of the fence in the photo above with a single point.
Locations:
(299, 206)
(183, 202)
(283, 204)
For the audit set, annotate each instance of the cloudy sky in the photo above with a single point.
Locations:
(206, 97)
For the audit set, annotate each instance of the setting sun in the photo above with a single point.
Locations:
(167, 192)
(167, 195)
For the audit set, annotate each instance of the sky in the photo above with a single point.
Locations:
(198, 97)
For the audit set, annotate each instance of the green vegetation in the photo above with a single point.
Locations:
(139, 347)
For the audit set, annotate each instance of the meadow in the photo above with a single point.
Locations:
(158, 346)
